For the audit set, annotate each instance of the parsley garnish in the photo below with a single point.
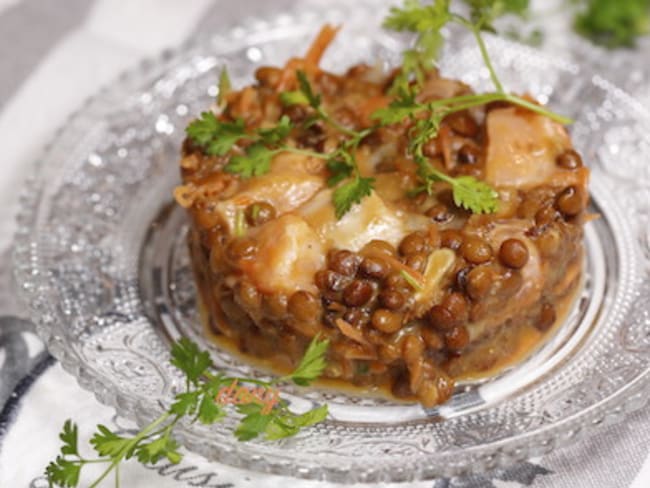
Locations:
(351, 192)
(350, 187)
(200, 401)
(613, 23)
(427, 21)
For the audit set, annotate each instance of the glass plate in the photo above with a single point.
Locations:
(101, 261)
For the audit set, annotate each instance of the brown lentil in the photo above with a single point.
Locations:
(356, 317)
(457, 305)
(377, 246)
(412, 349)
(513, 253)
(241, 248)
(357, 293)
(569, 159)
(468, 154)
(546, 317)
(432, 339)
(476, 250)
(439, 213)
(417, 261)
(275, 305)
(304, 306)
(374, 267)
(328, 280)
(570, 201)
(451, 239)
(391, 299)
(259, 213)
(441, 318)
(412, 244)
(343, 262)
(463, 123)
(479, 282)
(396, 281)
(386, 321)
(461, 278)
(457, 338)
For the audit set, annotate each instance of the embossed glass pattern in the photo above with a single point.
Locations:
(108, 289)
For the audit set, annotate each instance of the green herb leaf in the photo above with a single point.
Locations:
(484, 12)
(216, 137)
(293, 98)
(63, 473)
(187, 357)
(154, 451)
(340, 169)
(69, 436)
(256, 161)
(613, 23)
(107, 443)
(209, 410)
(253, 424)
(396, 112)
(351, 192)
(312, 364)
(427, 21)
(305, 87)
(278, 133)
(289, 424)
(415, 17)
(474, 195)
(415, 284)
(225, 87)
(185, 403)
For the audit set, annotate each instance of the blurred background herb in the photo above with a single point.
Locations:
(608, 23)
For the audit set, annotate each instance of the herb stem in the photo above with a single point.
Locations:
(470, 101)
(533, 107)
(336, 124)
(132, 443)
(249, 380)
(304, 152)
(476, 31)
(486, 59)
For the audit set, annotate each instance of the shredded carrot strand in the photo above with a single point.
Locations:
(349, 331)
(311, 60)
(320, 45)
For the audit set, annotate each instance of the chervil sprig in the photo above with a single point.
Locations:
(426, 21)
(351, 186)
(219, 138)
(202, 402)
